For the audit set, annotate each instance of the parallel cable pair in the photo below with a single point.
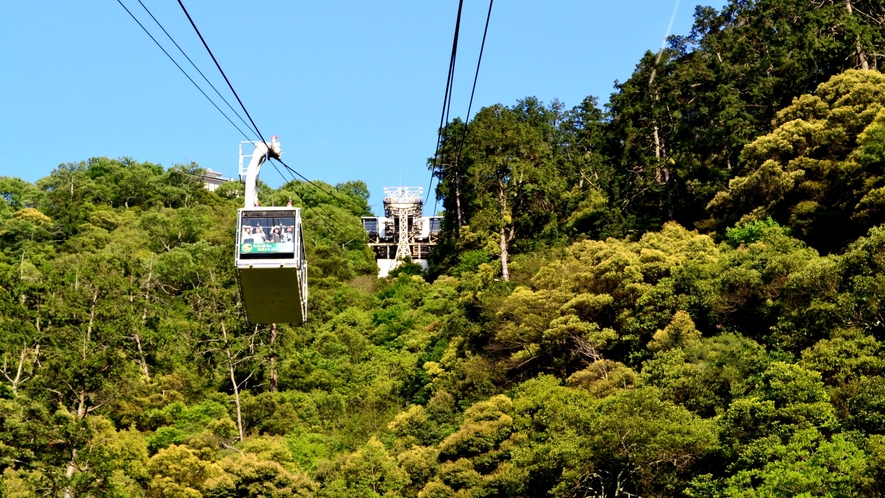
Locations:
(447, 99)
(447, 102)
(243, 105)
(253, 128)
(182, 69)
(206, 45)
(272, 159)
(473, 90)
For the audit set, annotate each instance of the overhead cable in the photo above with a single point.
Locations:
(218, 65)
(453, 63)
(324, 214)
(321, 189)
(478, 64)
(473, 90)
(182, 70)
(443, 119)
(260, 136)
(194, 65)
(253, 128)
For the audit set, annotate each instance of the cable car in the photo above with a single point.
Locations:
(270, 261)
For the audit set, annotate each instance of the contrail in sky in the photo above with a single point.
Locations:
(669, 26)
(664, 41)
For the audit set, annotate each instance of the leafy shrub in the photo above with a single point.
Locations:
(747, 233)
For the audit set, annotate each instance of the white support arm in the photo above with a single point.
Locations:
(262, 150)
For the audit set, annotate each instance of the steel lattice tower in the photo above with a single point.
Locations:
(401, 204)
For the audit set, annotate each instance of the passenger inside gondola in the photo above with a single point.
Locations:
(268, 237)
(258, 233)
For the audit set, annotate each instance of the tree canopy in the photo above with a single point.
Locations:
(679, 293)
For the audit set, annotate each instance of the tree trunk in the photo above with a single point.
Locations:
(860, 56)
(657, 144)
(88, 336)
(505, 271)
(273, 358)
(502, 203)
(142, 362)
(18, 372)
(233, 379)
(458, 200)
(69, 472)
(72, 464)
(862, 59)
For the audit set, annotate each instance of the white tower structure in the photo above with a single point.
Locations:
(403, 232)
(403, 204)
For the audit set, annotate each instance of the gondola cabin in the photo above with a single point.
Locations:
(271, 266)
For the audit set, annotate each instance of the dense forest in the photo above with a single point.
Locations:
(681, 293)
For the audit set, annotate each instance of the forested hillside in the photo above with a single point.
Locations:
(679, 294)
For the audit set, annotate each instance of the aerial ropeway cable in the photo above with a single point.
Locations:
(270, 259)
(447, 102)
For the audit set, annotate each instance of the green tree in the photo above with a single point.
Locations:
(679, 124)
(569, 443)
(808, 465)
(16, 194)
(506, 161)
(706, 376)
(819, 171)
(368, 472)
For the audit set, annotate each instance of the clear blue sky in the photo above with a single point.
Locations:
(354, 89)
